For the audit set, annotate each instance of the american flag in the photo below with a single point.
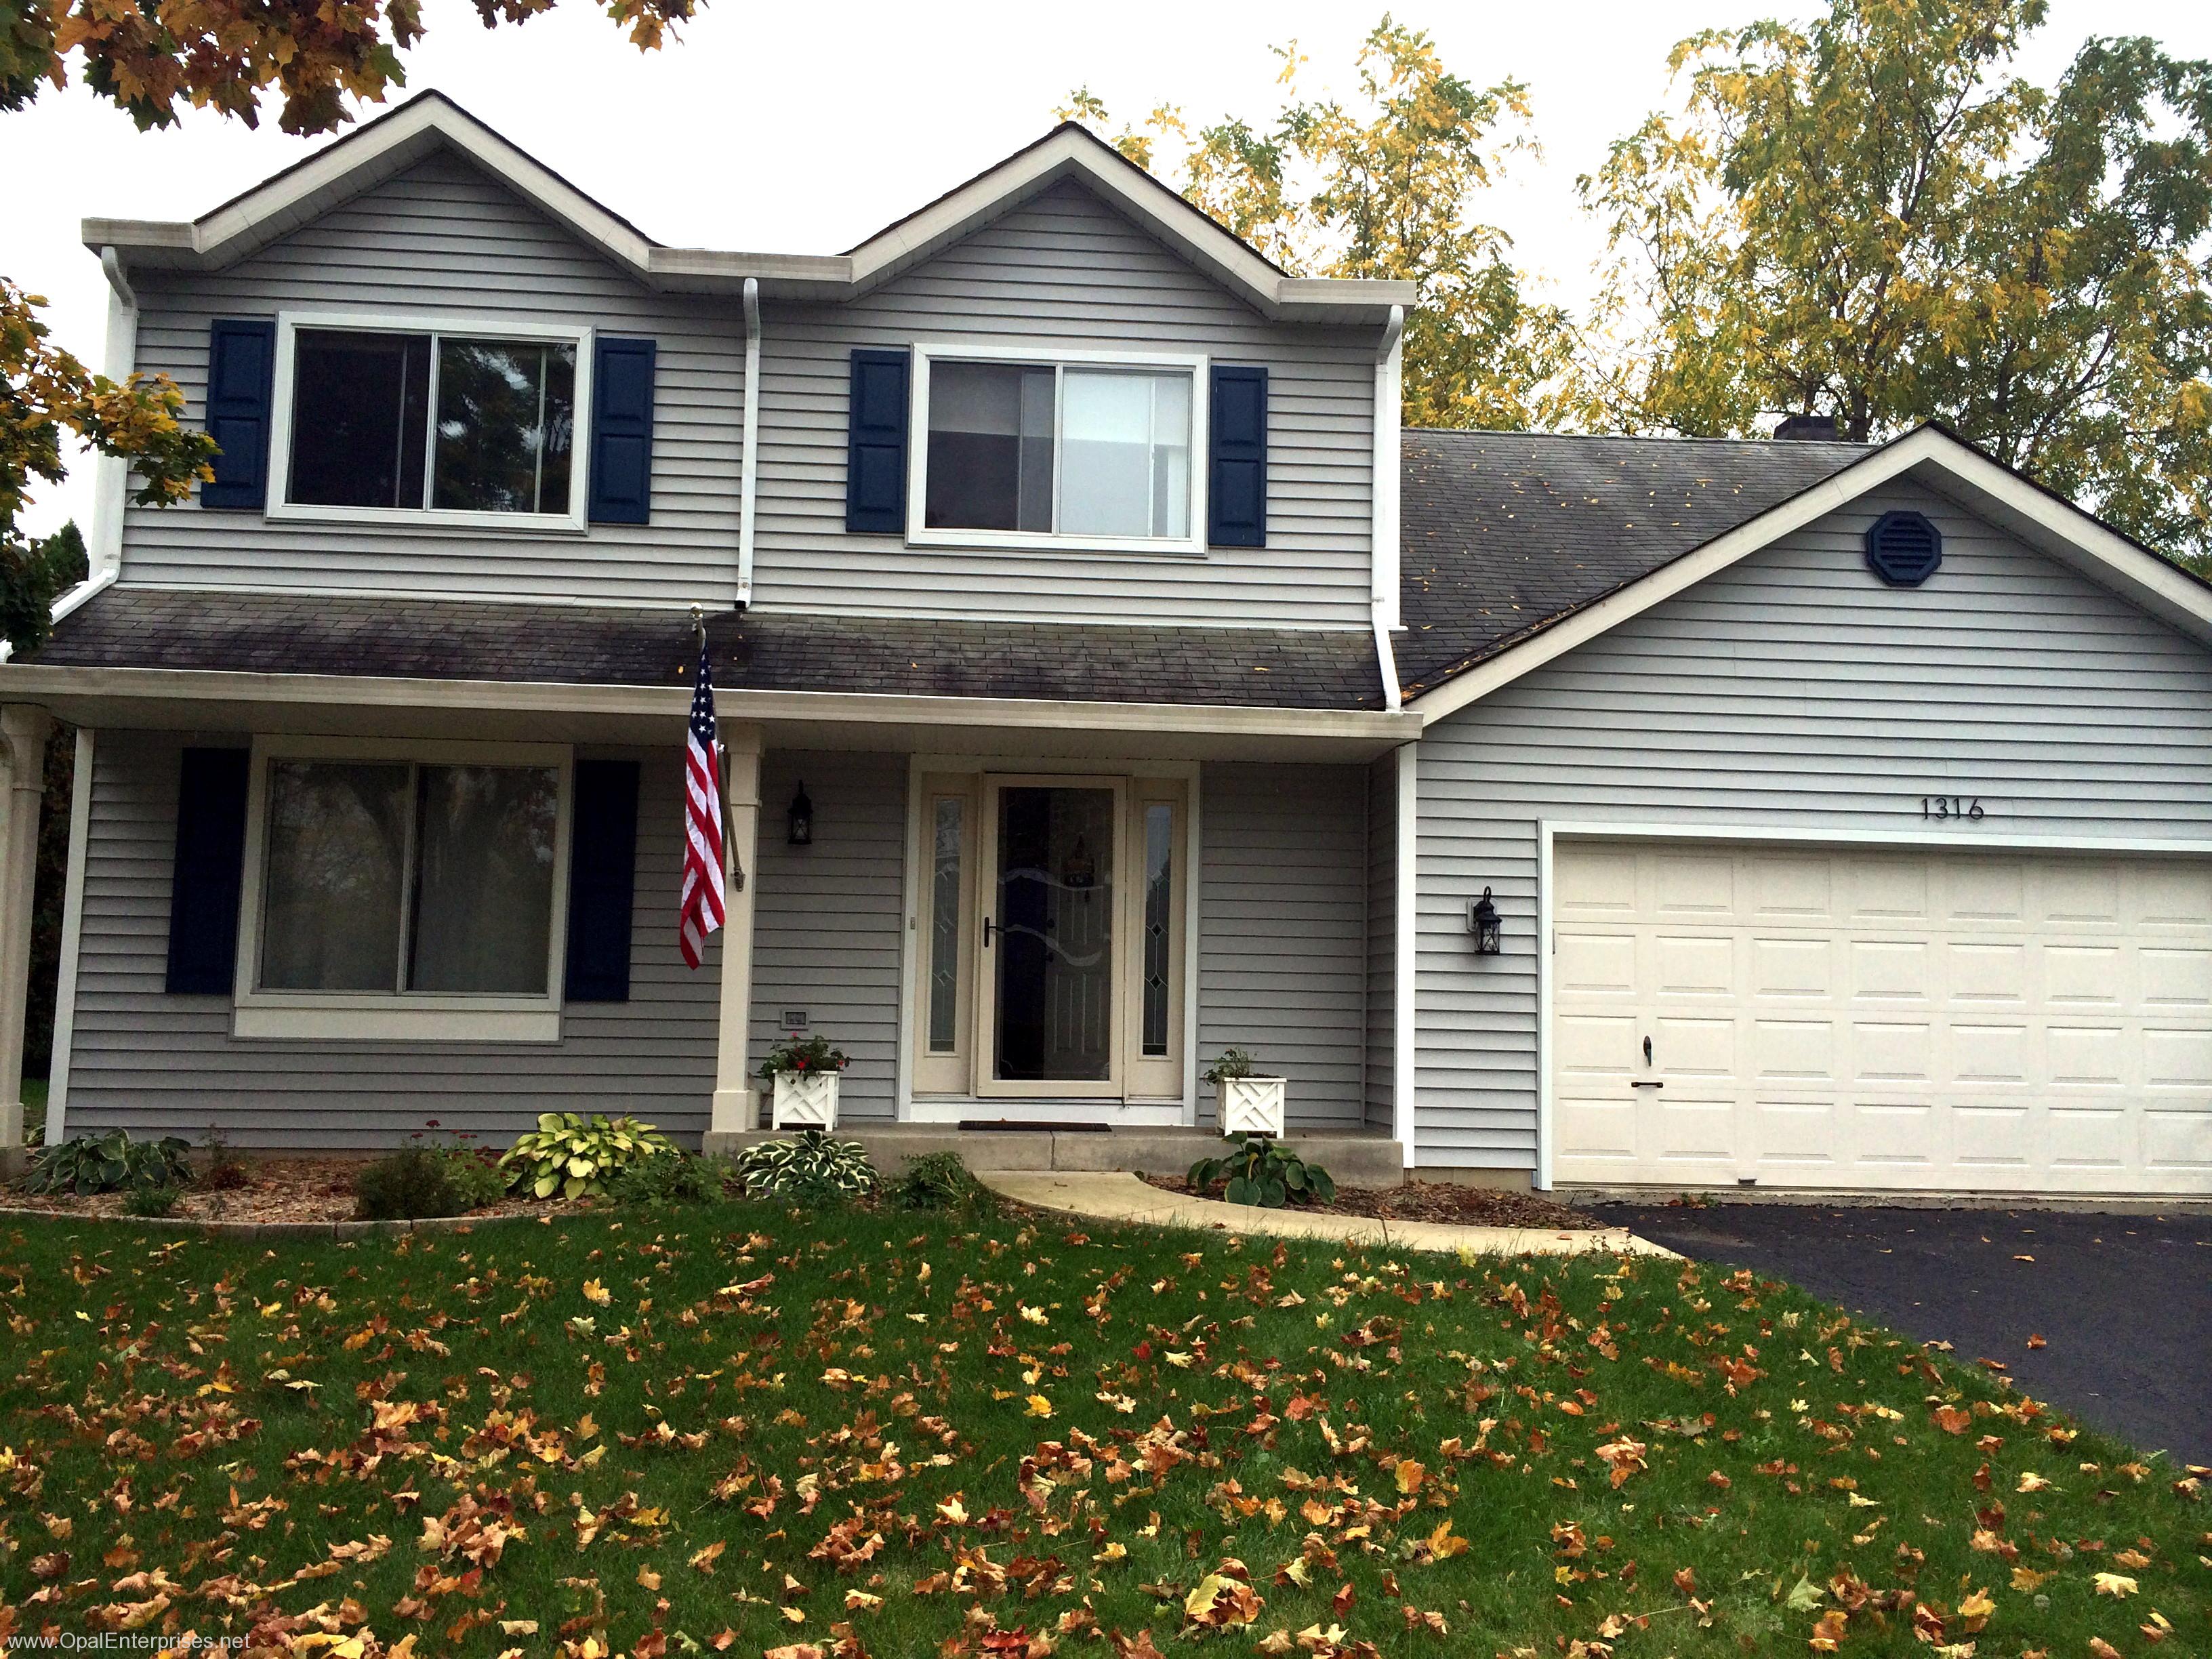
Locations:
(700, 912)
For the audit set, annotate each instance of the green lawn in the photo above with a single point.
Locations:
(744, 1428)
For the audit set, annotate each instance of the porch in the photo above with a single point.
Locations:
(1192, 879)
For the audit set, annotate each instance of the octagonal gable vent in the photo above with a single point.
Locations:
(1903, 549)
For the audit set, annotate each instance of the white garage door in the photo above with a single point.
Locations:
(1817, 1018)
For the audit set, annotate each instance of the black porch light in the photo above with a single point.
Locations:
(1482, 921)
(798, 822)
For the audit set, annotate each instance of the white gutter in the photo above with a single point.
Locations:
(1382, 555)
(749, 467)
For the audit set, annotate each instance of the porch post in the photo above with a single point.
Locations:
(733, 1110)
(22, 783)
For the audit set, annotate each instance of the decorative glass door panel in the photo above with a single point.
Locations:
(1050, 968)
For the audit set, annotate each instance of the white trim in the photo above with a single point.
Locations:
(382, 147)
(748, 454)
(1385, 469)
(112, 473)
(80, 841)
(1121, 1114)
(2062, 529)
(1550, 831)
(396, 1015)
(1043, 354)
(1405, 965)
(434, 325)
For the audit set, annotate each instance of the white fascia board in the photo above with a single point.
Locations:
(32, 683)
(344, 170)
(1932, 456)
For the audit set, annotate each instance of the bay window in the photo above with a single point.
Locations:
(1088, 450)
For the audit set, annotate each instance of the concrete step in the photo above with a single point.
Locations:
(1352, 1158)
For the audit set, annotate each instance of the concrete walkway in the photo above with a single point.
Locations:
(1104, 1197)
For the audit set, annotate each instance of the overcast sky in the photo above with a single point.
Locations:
(801, 128)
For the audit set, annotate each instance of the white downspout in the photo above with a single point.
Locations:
(110, 476)
(749, 467)
(1389, 359)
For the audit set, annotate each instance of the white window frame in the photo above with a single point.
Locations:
(417, 1016)
(1044, 355)
(279, 506)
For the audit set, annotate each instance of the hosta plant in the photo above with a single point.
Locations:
(808, 1167)
(575, 1156)
(1265, 1173)
(105, 1163)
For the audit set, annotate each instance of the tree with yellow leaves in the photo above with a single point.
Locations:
(1386, 185)
(1871, 218)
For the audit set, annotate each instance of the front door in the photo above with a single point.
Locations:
(1051, 935)
(1050, 958)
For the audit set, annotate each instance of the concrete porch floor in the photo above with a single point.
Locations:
(1354, 1158)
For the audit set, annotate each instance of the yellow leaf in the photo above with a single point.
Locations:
(597, 1294)
(1410, 1475)
(647, 1578)
(1039, 1406)
(2115, 1584)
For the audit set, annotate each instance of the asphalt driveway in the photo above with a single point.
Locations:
(2123, 1304)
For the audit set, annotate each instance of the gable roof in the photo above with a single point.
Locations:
(1517, 547)
(430, 121)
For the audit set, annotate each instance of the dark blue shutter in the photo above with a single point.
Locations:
(602, 869)
(241, 362)
(1237, 458)
(622, 431)
(875, 459)
(211, 859)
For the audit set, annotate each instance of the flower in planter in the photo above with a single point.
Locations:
(792, 1056)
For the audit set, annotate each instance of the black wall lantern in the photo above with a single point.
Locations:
(1482, 921)
(800, 821)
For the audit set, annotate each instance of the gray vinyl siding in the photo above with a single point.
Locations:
(1064, 269)
(1791, 691)
(827, 917)
(441, 239)
(1282, 951)
(1382, 780)
(155, 1064)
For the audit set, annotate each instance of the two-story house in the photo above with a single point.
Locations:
(1106, 680)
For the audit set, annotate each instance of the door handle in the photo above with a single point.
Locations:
(987, 932)
(1647, 1051)
(1646, 1083)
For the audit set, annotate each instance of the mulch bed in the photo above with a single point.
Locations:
(277, 1188)
(1433, 1200)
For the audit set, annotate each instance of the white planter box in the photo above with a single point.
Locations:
(804, 1100)
(1250, 1106)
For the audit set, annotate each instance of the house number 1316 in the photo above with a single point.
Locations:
(1951, 806)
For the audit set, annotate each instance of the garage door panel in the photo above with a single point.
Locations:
(1881, 1019)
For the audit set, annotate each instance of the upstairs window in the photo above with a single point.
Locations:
(442, 423)
(1092, 450)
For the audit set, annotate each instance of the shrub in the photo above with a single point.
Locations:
(673, 1176)
(937, 1181)
(151, 1200)
(808, 1169)
(475, 1173)
(103, 1163)
(814, 1054)
(415, 1180)
(575, 1157)
(226, 1170)
(1234, 1063)
(1265, 1173)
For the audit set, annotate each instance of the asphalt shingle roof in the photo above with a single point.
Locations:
(473, 639)
(1503, 532)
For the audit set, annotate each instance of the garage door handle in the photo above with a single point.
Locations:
(1647, 1083)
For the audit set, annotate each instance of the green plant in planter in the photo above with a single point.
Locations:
(1265, 1173)
(814, 1054)
(104, 1163)
(1233, 1064)
(808, 1168)
(576, 1155)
